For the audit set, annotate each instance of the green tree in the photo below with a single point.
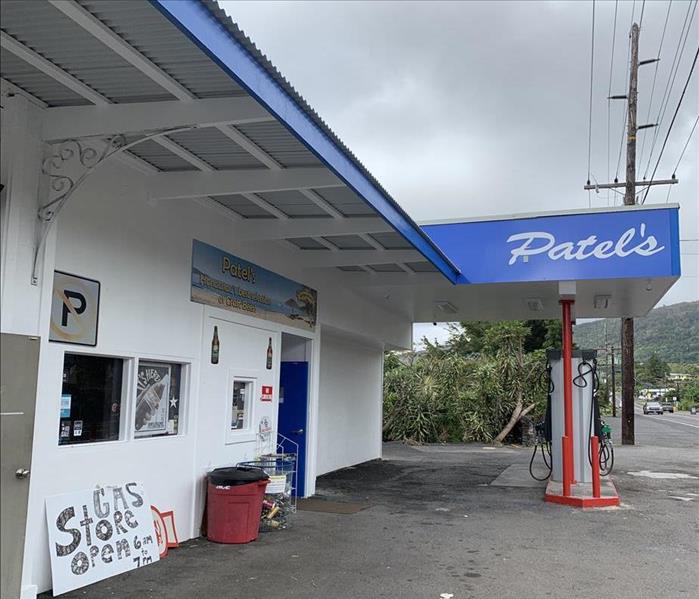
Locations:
(689, 395)
(518, 377)
(543, 334)
(467, 338)
(654, 371)
(454, 393)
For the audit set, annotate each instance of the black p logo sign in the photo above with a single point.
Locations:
(79, 308)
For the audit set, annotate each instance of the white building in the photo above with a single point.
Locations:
(134, 134)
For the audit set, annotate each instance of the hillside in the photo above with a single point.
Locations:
(670, 331)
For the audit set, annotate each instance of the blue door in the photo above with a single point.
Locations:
(293, 409)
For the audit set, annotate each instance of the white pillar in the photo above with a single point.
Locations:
(24, 190)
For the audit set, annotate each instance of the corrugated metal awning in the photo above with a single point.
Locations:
(72, 55)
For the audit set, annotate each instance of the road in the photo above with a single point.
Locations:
(679, 429)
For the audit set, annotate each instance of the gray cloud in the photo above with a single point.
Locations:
(466, 109)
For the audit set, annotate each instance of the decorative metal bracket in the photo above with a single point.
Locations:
(88, 158)
(81, 160)
(71, 163)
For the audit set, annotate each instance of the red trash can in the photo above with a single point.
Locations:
(234, 504)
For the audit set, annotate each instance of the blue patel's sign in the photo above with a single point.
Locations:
(620, 244)
(223, 280)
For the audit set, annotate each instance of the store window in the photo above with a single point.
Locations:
(158, 399)
(91, 399)
(241, 402)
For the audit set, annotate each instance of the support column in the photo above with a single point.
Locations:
(25, 190)
(567, 441)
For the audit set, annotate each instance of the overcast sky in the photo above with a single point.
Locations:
(465, 109)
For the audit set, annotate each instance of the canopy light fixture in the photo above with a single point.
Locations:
(602, 302)
(535, 304)
(446, 307)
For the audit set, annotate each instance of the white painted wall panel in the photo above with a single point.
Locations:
(349, 402)
(140, 251)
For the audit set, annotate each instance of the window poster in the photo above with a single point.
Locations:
(97, 533)
(153, 398)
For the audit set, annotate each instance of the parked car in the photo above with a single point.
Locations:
(668, 405)
(653, 407)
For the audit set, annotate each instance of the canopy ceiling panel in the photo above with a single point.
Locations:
(346, 201)
(161, 158)
(294, 204)
(48, 32)
(38, 84)
(274, 139)
(214, 148)
(243, 207)
(140, 24)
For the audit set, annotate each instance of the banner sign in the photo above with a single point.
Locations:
(567, 247)
(225, 281)
(98, 533)
(74, 309)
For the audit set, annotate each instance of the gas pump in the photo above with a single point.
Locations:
(574, 442)
(585, 386)
(584, 369)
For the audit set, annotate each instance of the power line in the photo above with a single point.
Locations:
(655, 77)
(667, 199)
(609, 93)
(672, 122)
(592, 72)
(643, 7)
(685, 146)
(671, 79)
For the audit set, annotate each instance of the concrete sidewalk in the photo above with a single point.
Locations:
(436, 527)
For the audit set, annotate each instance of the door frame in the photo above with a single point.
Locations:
(312, 399)
(306, 422)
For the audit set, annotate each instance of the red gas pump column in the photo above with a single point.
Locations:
(567, 441)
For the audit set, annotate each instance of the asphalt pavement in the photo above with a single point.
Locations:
(438, 528)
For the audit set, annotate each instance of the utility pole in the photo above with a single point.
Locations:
(627, 332)
(628, 436)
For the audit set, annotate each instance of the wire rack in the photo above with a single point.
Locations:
(280, 496)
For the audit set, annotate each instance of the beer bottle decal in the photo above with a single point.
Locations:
(269, 355)
(214, 347)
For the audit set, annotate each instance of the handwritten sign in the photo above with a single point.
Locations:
(98, 533)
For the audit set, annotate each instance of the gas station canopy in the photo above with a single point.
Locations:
(614, 261)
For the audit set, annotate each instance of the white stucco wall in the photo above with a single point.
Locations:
(350, 402)
(140, 251)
